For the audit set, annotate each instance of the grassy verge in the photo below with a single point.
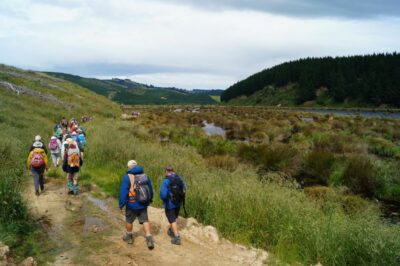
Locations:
(248, 210)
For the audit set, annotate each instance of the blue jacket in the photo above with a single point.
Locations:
(125, 187)
(165, 194)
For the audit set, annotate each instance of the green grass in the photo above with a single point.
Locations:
(260, 208)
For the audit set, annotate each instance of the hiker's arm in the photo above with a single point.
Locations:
(164, 190)
(123, 193)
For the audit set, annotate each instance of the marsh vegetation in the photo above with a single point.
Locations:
(306, 190)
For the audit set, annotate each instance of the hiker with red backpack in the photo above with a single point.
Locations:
(136, 194)
(172, 193)
(37, 163)
(55, 150)
(71, 165)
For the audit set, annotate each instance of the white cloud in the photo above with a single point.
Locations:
(223, 46)
(181, 80)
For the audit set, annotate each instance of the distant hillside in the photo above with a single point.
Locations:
(125, 91)
(370, 80)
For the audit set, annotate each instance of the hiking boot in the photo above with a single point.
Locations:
(37, 193)
(128, 238)
(170, 233)
(176, 240)
(149, 242)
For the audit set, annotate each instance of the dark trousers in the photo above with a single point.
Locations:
(38, 179)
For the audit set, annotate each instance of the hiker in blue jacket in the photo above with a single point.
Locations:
(136, 193)
(172, 192)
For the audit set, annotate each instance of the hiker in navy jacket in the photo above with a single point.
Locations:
(134, 208)
(172, 206)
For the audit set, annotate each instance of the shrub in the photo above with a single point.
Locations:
(226, 162)
(360, 176)
(277, 157)
(318, 166)
(249, 153)
(216, 146)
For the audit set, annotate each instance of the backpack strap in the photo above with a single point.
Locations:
(133, 183)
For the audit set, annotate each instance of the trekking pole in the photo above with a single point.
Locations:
(184, 208)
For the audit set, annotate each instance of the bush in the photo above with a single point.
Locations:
(318, 166)
(360, 176)
(223, 161)
(216, 146)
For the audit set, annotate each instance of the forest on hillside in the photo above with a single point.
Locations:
(369, 79)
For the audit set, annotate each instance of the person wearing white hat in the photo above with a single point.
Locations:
(136, 194)
(38, 143)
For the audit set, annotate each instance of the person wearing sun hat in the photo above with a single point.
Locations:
(38, 143)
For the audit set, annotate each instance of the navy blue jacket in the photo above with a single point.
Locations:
(125, 187)
(165, 194)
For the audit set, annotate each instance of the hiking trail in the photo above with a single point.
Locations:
(88, 229)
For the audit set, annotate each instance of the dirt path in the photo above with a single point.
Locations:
(87, 230)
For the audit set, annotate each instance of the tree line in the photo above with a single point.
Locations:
(370, 79)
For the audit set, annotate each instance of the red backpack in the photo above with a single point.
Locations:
(37, 160)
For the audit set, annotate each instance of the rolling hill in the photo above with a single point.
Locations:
(125, 91)
(354, 81)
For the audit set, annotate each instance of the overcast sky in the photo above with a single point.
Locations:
(189, 44)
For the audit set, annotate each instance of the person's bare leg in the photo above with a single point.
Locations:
(147, 228)
(129, 228)
(147, 232)
(174, 228)
(128, 237)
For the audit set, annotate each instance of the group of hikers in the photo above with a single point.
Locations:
(67, 147)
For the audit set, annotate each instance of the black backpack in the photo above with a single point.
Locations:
(176, 188)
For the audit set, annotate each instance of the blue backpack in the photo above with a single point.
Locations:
(81, 140)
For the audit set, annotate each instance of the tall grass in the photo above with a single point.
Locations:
(264, 214)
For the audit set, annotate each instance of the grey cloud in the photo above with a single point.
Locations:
(307, 8)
